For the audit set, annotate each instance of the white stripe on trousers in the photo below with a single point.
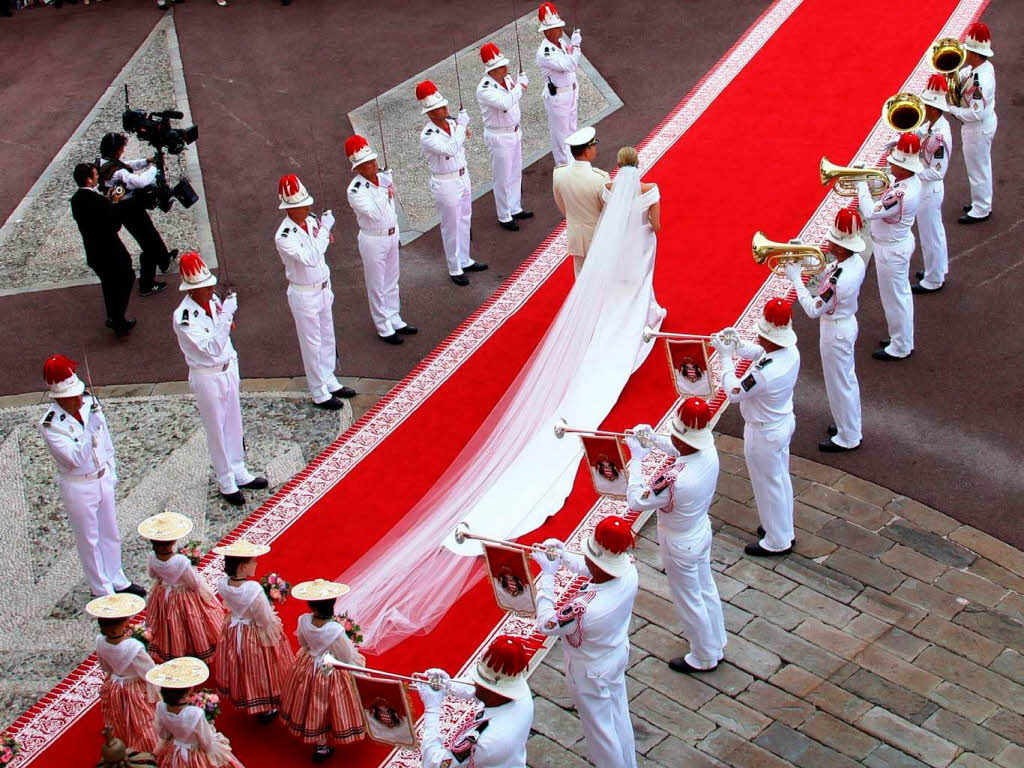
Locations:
(314, 325)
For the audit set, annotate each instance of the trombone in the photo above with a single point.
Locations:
(463, 534)
(948, 56)
(562, 429)
(903, 112)
(846, 178)
(434, 681)
(776, 255)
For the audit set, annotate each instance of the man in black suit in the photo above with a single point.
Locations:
(99, 223)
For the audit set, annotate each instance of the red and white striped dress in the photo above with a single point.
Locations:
(319, 703)
(126, 699)
(253, 656)
(187, 740)
(182, 614)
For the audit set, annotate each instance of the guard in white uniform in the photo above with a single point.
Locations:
(976, 111)
(498, 95)
(595, 626)
(496, 737)
(558, 59)
(75, 430)
(301, 242)
(835, 306)
(443, 141)
(765, 395)
(892, 240)
(936, 150)
(203, 323)
(682, 494)
(371, 194)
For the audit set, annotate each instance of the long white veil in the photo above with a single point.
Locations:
(513, 473)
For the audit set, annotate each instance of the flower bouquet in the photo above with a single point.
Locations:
(206, 700)
(139, 631)
(351, 629)
(277, 589)
(192, 550)
(9, 748)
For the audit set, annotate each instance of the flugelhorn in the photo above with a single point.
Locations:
(434, 681)
(846, 178)
(948, 56)
(650, 333)
(903, 112)
(463, 534)
(776, 255)
(562, 429)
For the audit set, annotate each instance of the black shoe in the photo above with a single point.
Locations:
(133, 589)
(171, 255)
(523, 214)
(758, 551)
(407, 330)
(236, 499)
(832, 430)
(881, 354)
(968, 219)
(830, 446)
(331, 404)
(109, 323)
(266, 717)
(344, 392)
(511, 226)
(679, 664)
(760, 534)
(968, 207)
(124, 329)
(394, 338)
(321, 753)
(919, 289)
(476, 266)
(154, 289)
(460, 279)
(919, 275)
(258, 483)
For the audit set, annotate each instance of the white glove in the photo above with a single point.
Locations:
(556, 543)
(547, 567)
(386, 179)
(576, 38)
(327, 220)
(724, 350)
(431, 699)
(523, 79)
(636, 450)
(230, 305)
(463, 117)
(794, 274)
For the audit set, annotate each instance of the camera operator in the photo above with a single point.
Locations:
(99, 222)
(135, 175)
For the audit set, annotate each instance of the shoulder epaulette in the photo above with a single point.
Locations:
(761, 365)
(48, 418)
(184, 316)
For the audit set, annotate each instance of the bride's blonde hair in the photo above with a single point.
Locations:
(628, 156)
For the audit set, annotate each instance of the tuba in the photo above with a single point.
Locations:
(846, 178)
(947, 57)
(776, 255)
(904, 112)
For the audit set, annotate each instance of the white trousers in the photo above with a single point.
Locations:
(687, 561)
(603, 707)
(766, 450)
(836, 341)
(221, 412)
(314, 325)
(562, 109)
(380, 271)
(933, 234)
(507, 168)
(892, 261)
(454, 199)
(90, 507)
(977, 143)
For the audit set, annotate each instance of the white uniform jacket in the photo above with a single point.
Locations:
(765, 393)
(81, 451)
(205, 341)
(978, 95)
(495, 738)
(374, 204)
(303, 251)
(682, 493)
(892, 215)
(499, 105)
(936, 150)
(839, 291)
(445, 150)
(558, 63)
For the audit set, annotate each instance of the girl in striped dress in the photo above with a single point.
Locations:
(253, 655)
(126, 700)
(319, 703)
(184, 616)
(187, 740)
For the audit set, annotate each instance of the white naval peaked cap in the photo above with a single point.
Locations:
(582, 137)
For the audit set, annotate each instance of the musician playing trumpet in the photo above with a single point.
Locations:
(936, 149)
(682, 494)
(835, 306)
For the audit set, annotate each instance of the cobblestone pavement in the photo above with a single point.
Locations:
(892, 640)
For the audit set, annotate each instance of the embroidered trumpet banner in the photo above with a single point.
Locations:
(760, 120)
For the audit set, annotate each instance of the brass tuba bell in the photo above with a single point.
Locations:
(947, 57)
(776, 255)
(903, 112)
(846, 178)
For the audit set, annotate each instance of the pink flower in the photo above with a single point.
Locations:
(347, 624)
(272, 578)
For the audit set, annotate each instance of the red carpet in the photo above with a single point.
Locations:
(749, 162)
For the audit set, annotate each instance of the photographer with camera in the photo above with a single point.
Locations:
(135, 177)
(99, 222)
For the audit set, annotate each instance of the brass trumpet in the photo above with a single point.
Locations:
(777, 255)
(948, 56)
(846, 178)
(462, 534)
(903, 112)
(562, 429)
(650, 333)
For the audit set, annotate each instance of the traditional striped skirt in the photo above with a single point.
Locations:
(129, 712)
(247, 671)
(319, 703)
(183, 623)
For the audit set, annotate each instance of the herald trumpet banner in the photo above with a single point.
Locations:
(463, 534)
(776, 255)
(947, 57)
(903, 112)
(434, 681)
(846, 178)
(562, 429)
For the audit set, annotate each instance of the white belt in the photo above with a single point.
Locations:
(765, 424)
(452, 175)
(183, 747)
(514, 129)
(564, 88)
(84, 478)
(207, 370)
(880, 241)
(237, 622)
(837, 320)
(379, 232)
(122, 679)
(313, 288)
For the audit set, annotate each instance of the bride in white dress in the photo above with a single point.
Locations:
(514, 473)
